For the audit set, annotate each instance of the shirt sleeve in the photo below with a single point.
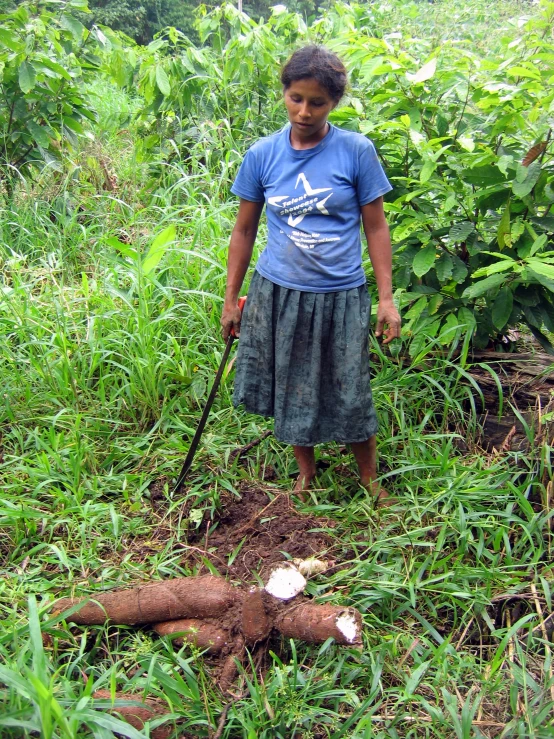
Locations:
(247, 184)
(372, 181)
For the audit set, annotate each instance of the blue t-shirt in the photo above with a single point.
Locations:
(313, 199)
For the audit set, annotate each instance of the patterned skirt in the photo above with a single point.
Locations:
(303, 359)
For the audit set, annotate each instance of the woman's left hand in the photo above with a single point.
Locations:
(388, 315)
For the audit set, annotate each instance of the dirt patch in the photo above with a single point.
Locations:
(255, 531)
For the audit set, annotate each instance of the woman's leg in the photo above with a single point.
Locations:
(365, 453)
(305, 458)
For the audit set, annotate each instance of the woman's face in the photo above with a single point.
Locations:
(308, 105)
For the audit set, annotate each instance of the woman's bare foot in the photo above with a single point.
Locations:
(302, 485)
(305, 458)
(365, 453)
(379, 494)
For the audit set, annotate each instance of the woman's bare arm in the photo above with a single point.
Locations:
(240, 253)
(380, 252)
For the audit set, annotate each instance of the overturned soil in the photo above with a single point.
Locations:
(255, 531)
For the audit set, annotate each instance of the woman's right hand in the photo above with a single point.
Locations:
(230, 319)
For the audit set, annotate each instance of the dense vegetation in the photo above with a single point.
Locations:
(115, 166)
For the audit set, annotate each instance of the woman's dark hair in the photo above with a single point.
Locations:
(318, 63)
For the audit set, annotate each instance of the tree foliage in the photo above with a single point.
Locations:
(143, 19)
(45, 54)
(467, 142)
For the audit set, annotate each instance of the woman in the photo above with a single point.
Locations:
(303, 356)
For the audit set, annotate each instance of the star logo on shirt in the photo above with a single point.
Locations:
(298, 208)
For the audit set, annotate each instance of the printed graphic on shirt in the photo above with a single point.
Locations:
(296, 208)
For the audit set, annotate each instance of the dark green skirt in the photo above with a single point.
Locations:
(303, 358)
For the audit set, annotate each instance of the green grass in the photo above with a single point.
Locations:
(103, 373)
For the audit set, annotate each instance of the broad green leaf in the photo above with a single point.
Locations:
(533, 316)
(460, 231)
(545, 223)
(527, 294)
(443, 267)
(483, 286)
(39, 134)
(483, 176)
(428, 328)
(547, 312)
(504, 162)
(442, 125)
(425, 73)
(498, 254)
(541, 268)
(93, 61)
(424, 260)
(523, 72)
(502, 307)
(448, 328)
(521, 173)
(516, 231)
(466, 317)
(503, 234)
(538, 244)
(11, 40)
(466, 143)
(27, 77)
(522, 189)
(70, 136)
(492, 269)
(416, 310)
(543, 340)
(162, 80)
(158, 248)
(459, 269)
(73, 125)
(72, 25)
(55, 67)
(367, 70)
(435, 303)
(541, 279)
(426, 171)
(449, 203)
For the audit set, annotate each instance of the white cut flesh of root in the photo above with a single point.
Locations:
(346, 623)
(285, 582)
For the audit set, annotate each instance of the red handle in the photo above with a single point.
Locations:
(241, 303)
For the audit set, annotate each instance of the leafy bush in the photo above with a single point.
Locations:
(467, 143)
(45, 54)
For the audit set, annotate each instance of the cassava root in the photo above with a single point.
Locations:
(167, 600)
(210, 613)
(139, 713)
(315, 623)
(199, 633)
